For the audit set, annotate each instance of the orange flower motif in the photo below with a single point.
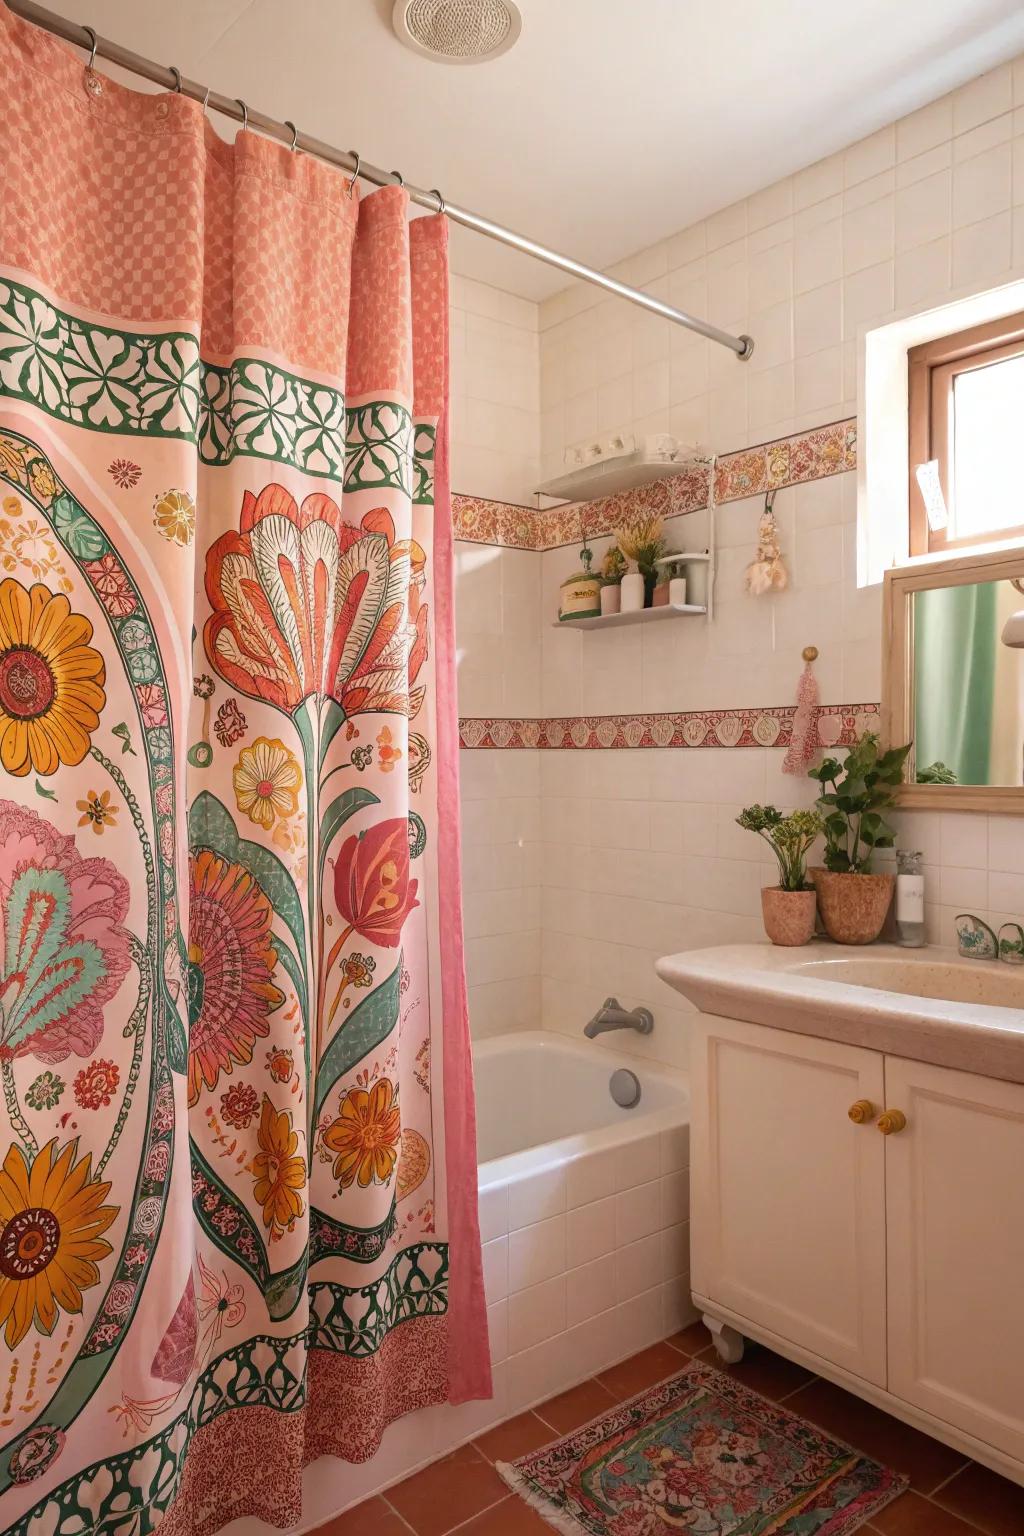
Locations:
(366, 1136)
(387, 754)
(51, 681)
(371, 882)
(297, 584)
(280, 1173)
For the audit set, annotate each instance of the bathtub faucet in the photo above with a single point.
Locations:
(613, 1016)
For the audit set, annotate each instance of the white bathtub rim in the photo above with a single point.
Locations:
(566, 1149)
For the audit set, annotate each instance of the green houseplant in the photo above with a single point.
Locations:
(789, 907)
(854, 796)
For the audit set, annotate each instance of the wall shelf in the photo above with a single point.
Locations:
(641, 616)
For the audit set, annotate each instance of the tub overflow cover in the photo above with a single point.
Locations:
(624, 1087)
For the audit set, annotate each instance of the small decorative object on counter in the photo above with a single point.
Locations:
(975, 939)
(580, 594)
(1011, 943)
(803, 744)
(789, 908)
(632, 592)
(613, 568)
(910, 897)
(767, 571)
(854, 902)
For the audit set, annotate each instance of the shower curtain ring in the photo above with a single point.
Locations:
(245, 114)
(206, 100)
(355, 173)
(95, 46)
(293, 146)
(399, 178)
(440, 200)
(176, 72)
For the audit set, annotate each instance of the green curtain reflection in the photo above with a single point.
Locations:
(955, 653)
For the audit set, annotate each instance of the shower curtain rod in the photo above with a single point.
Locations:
(171, 79)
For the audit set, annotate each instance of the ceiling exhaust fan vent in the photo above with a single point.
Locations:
(458, 31)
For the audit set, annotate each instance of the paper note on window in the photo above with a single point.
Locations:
(931, 491)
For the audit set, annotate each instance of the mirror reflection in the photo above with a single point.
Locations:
(969, 684)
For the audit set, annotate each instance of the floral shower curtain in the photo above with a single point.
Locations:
(237, 1178)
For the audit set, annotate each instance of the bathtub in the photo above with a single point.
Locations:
(584, 1210)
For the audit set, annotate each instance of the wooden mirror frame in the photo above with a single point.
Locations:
(898, 674)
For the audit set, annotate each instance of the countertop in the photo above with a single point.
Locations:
(808, 991)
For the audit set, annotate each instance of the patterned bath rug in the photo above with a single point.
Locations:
(703, 1455)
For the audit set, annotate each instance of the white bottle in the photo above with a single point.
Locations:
(910, 898)
(632, 586)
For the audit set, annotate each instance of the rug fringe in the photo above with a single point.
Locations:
(559, 1520)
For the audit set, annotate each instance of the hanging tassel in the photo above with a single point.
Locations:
(767, 572)
(804, 741)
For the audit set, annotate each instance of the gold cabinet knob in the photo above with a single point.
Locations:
(861, 1113)
(891, 1122)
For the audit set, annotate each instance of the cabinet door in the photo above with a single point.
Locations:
(788, 1199)
(955, 1216)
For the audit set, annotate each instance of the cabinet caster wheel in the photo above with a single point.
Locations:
(729, 1344)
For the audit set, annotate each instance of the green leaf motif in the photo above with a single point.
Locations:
(47, 794)
(77, 529)
(338, 812)
(358, 1035)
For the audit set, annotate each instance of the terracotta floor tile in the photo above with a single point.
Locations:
(691, 1340)
(925, 1461)
(642, 1370)
(992, 1503)
(512, 1517)
(514, 1438)
(570, 1409)
(371, 1518)
(762, 1370)
(447, 1492)
(911, 1515)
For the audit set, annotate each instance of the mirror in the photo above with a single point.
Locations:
(955, 679)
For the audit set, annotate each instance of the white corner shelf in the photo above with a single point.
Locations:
(640, 616)
(683, 558)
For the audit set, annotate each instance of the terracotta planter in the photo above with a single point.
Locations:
(788, 915)
(853, 907)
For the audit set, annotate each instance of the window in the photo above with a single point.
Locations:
(966, 398)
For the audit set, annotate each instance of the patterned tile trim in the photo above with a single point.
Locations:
(829, 450)
(838, 726)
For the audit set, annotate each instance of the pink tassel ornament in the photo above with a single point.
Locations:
(804, 741)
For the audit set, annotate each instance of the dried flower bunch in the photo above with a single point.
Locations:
(642, 542)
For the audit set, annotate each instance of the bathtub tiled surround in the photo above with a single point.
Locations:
(585, 1263)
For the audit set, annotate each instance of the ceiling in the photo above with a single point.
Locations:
(610, 125)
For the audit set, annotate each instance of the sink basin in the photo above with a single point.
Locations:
(926, 1004)
(988, 982)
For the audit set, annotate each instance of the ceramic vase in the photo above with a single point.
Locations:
(788, 915)
(632, 590)
(659, 597)
(853, 907)
(611, 596)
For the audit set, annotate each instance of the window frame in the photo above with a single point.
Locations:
(932, 370)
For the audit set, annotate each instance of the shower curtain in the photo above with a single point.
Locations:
(237, 1174)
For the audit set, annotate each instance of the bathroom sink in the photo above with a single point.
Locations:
(927, 1004)
(953, 981)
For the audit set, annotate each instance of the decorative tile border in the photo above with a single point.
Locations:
(813, 455)
(839, 725)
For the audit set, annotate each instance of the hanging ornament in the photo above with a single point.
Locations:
(767, 573)
(804, 740)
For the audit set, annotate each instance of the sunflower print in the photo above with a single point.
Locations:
(280, 1173)
(174, 513)
(51, 681)
(231, 962)
(366, 1136)
(52, 1218)
(267, 779)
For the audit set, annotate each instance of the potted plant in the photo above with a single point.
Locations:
(642, 544)
(853, 900)
(613, 568)
(789, 907)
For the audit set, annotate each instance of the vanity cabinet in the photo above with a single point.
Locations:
(893, 1263)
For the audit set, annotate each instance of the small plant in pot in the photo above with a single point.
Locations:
(789, 907)
(852, 899)
(613, 568)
